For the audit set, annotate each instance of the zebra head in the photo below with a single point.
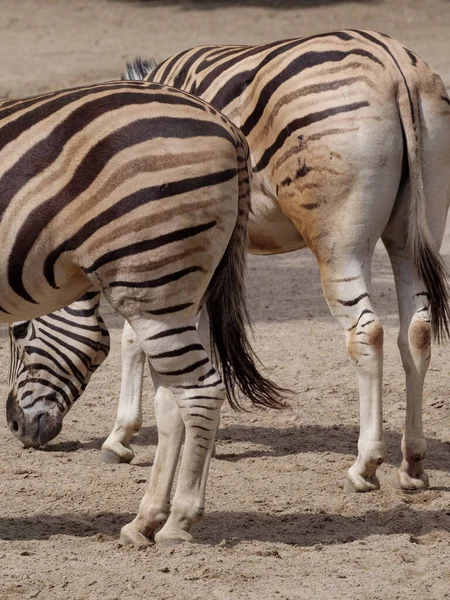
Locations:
(52, 359)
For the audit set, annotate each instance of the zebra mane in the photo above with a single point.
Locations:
(139, 69)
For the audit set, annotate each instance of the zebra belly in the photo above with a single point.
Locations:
(270, 231)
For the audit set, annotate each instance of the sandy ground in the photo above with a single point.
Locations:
(278, 523)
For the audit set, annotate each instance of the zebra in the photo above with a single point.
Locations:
(349, 136)
(141, 192)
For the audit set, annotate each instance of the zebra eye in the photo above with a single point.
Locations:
(20, 331)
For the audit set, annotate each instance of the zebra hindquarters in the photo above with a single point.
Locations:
(159, 291)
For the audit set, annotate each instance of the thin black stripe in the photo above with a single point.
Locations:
(354, 301)
(170, 309)
(169, 332)
(178, 351)
(188, 369)
(380, 43)
(69, 334)
(53, 387)
(146, 245)
(304, 122)
(208, 374)
(56, 317)
(160, 281)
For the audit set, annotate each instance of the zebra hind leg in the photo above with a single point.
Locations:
(347, 293)
(182, 365)
(116, 448)
(414, 342)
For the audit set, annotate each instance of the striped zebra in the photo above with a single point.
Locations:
(141, 192)
(349, 135)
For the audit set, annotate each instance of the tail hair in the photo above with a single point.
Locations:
(428, 262)
(228, 314)
(138, 69)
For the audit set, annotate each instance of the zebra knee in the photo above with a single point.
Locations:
(366, 341)
(419, 334)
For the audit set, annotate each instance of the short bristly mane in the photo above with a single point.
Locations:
(139, 69)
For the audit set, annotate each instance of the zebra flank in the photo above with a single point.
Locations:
(325, 78)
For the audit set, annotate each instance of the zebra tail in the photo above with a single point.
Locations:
(427, 260)
(138, 69)
(228, 313)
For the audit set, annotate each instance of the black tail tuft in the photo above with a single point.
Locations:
(431, 269)
(228, 315)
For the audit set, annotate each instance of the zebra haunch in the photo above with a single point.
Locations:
(349, 135)
(141, 192)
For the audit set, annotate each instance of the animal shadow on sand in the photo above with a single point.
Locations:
(273, 4)
(299, 529)
(278, 442)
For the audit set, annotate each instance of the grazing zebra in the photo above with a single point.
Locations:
(62, 351)
(142, 192)
(349, 135)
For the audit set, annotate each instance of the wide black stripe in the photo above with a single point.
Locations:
(75, 324)
(169, 309)
(152, 283)
(146, 245)
(68, 334)
(178, 351)
(188, 369)
(41, 352)
(169, 332)
(303, 122)
(301, 63)
(84, 359)
(445, 99)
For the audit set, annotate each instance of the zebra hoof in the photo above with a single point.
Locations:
(358, 484)
(109, 457)
(129, 536)
(172, 538)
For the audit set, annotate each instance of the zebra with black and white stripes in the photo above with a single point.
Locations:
(63, 349)
(349, 135)
(142, 192)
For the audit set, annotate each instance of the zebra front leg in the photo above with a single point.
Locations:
(183, 366)
(346, 292)
(116, 448)
(154, 507)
